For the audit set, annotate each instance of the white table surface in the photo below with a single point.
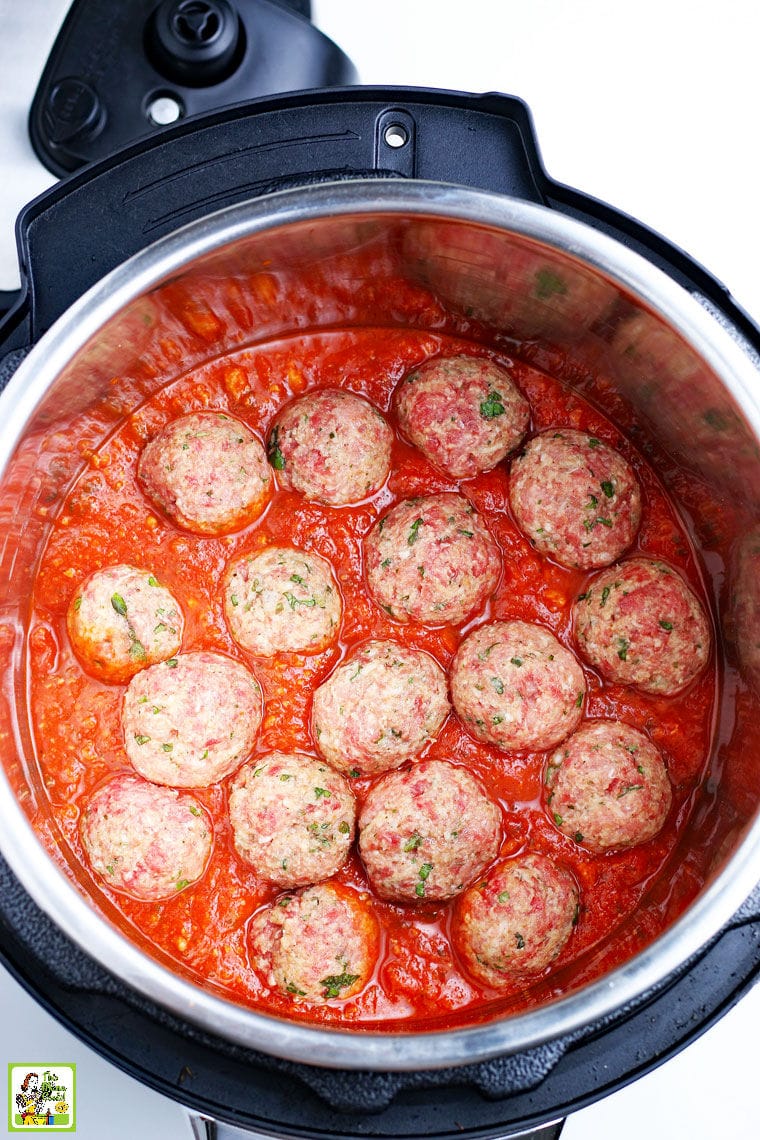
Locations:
(651, 107)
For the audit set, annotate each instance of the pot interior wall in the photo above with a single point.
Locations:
(497, 288)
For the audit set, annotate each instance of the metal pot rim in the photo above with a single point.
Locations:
(57, 896)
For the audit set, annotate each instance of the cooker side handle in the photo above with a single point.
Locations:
(78, 231)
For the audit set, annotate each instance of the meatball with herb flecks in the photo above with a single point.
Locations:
(516, 922)
(281, 600)
(331, 446)
(120, 620)
(379, 708)
(208, 472)
(514, 685)
(192, 720)
(607, 786)
(575, 498)
(432, 560)
(640, 624)
(145, 841)
(425, 833)
(292, 818)
(319, 944)
(464, 413)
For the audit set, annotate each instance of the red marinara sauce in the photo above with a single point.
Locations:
(418, 982)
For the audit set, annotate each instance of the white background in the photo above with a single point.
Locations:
(652, 107)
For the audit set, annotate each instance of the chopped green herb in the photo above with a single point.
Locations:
(623, 647)
(167, 747)
(182, 883)
(299, 581)
(557, 819)
(519, 940)
(503, 896)
(466, 533)
(119, 605)
(153, 581)
(274, 455)
(77, 603)
(293, 601)
(578, 837)
(337, 982)
(413, 842)
(354, 773)
(414, 532)
(592, 442)
(605, 594)
(516, 661)
(492, 406)
(344, 827)
(142, 739)
(172, 662)
(291, 987)
(322, 793)
(629, 788)
(498, 685)
(579, 700)
(668, 625)
(194, 810)
(608, 489)
(424, 874)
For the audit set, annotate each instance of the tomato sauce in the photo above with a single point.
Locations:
(106, 519)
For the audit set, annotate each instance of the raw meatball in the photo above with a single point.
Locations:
(515, 686)
(146, 841)
(192, 720)
(426, 833)
(464, 413)
(319, 944)
(432, 560)
(517, 922)
(640, 624)
(379, 708)
(607, 786)
(122, 619)
(575, 498)
(208, 472)
(281, 601)
(331, 446)
(292, 818)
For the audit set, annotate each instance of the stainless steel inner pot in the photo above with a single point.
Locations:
(524, 273)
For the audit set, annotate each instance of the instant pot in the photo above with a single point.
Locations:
(448, 189)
